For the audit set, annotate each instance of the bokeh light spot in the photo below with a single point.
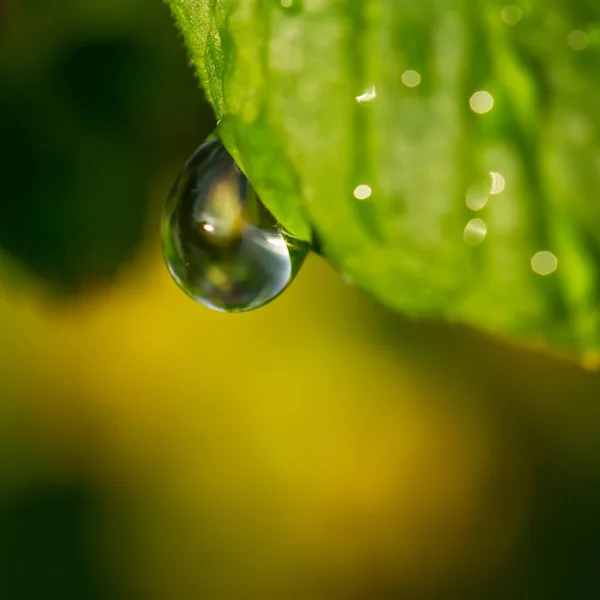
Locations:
(481, 102)
(362, 192)
(475, 232)
(511, 14)
(498, 183)
(578, 40)
(411, 78)
(544, 263)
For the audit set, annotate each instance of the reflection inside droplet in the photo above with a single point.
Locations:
(411, 78)
(481, 102)
(475, 232)
(368, 95)
(544, 263)
(511, 14)
(221, 245)
(362, 192)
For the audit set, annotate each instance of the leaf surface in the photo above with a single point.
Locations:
(475, 138)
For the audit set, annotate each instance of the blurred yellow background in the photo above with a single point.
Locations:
(319, 448)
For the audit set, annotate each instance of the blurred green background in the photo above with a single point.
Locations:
(319, 448)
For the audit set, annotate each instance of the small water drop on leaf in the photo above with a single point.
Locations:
(222, 246)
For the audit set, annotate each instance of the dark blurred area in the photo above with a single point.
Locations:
(94, 96)
(319, 448)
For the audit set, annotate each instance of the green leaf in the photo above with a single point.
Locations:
(284, 77)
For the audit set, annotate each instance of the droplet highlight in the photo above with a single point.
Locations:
(481, 102)
(544, 263)
(475, 232)
(221, 245)
(368, 95)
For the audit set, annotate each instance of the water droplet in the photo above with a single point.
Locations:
(475, 232)
(411, 78)
(287, 3)
(578, 40)
(544, 263)
(362, 192)
(368, 95)
(481, 102)
(511, 14)
(222, 246)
